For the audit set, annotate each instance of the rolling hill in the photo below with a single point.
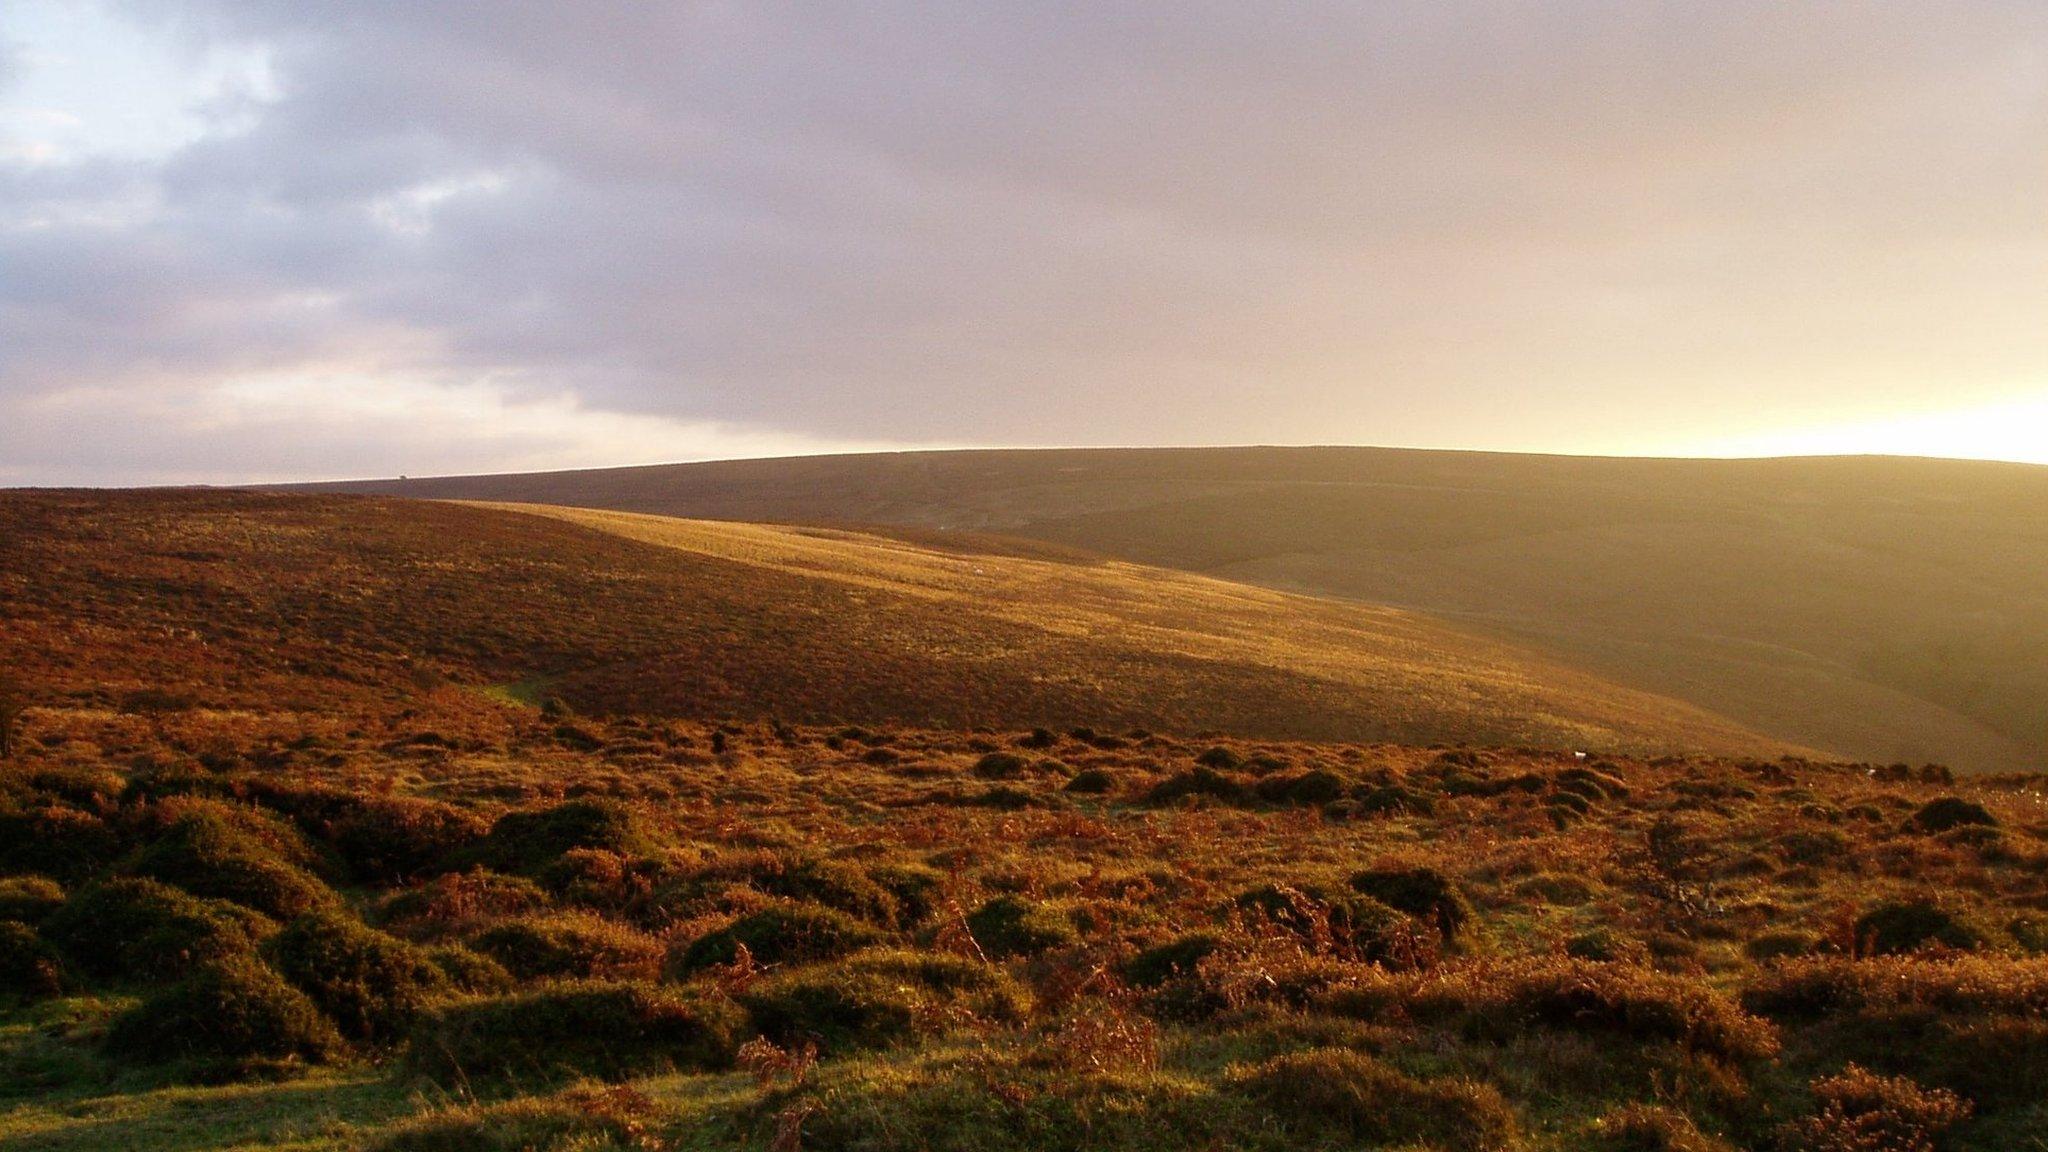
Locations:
(1878, 608)
(265, 602)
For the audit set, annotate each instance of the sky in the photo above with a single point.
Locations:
(263, 240)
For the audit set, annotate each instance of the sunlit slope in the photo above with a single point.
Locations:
(1882, 608)
(244, 601)
(1122, 643)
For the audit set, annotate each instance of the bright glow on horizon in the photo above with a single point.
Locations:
(2015, 430)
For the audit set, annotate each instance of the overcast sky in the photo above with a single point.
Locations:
(271, 240)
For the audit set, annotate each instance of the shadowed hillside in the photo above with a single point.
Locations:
(1891, 609)
(254, 601)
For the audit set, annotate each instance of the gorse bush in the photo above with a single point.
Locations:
(391, 840)
(227, 1016)
(568, 944)
(1013, 926)
(1336, 1094)
(779, 934)
(29, 899)
(1912, 925)
(610, 1031)
(130, 928)
(878, 999)
(526, 842)
(1420, 891)
(30, 969)
(208, 854)
(448, 905)
(370, 984)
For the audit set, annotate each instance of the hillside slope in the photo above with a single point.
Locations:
(262, 602)
(1880, 608)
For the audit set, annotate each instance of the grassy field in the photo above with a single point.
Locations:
(252, 601)
(460, 923)
(1883, 609)
(343, 824)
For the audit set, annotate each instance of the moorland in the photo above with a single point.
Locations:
(1876, 608)
(329, 822)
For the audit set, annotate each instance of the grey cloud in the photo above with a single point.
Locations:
(1076, 223)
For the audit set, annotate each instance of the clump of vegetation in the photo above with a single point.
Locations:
(1899, 926)
(394, 839)
(568, 944)
(526, 842)
(788, 933)
(1420, 891)
(1500, 1001)
(1950, 812)
(225, 1018)
(584, 1118)
(209, 854)
(54, 839)
(1650, 1128)
(450, 904)
(834, 884)
(131, 928)
(1013, 926)
(29, 968)
(1859, 1111)
(1341, 1095)
(1200, 781)
(370, 984)
(610, 1031)
(29, 899)
(1177, 957)
(879, 999)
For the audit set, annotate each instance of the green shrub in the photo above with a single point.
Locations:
(29, 898)
(1198, 781)
(391, 840)
(1900, 926)
(469, 972)
(1421, 892)
(568, 944)
(1001, 766)
(1779, 945)
(1012, 926)
(832, 883)
(1315, 786)
(446, 905)
(1338, 1094)
(918, 890)
(610, 1031)
(226, 1016)
(1177, 957)
(138, 929)
(526, 842)
(1605, 945)
(55, 840)
(29, 968)
(209, 855)
(779, 934)
(1336, 922)
(370, 984)
(875, 1000)
(1949, 812)
(1091, 782)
